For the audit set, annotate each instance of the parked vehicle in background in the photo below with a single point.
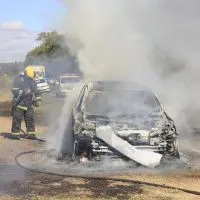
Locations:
(41, 87)
(66, 84)
(51, 81)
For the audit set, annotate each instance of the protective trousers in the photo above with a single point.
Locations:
(29, 118)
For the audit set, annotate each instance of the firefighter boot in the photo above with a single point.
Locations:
(15, 136)
(31, 135)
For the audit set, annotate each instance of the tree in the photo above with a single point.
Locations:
(52, 52)
(51, 44)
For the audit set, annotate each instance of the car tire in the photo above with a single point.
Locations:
(171, 159)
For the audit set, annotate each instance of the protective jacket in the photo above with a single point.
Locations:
(23, 92)
(23, 98)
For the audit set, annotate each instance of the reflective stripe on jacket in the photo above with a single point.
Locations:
(22, 107)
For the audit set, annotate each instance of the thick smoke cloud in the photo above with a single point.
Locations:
(154, 42)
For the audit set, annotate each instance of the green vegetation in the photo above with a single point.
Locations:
(11, 69)
(5, 81)
(54, 53)
(51, 44)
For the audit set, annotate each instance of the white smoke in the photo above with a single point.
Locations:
(154, 42)
(61, 132)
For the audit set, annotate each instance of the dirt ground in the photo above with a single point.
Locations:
(17, 183)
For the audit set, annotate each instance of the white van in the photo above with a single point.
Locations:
(41, 85)
(66, 84)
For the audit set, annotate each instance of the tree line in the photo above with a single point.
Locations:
(52, 52)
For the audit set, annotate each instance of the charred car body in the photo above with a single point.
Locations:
(133, 112)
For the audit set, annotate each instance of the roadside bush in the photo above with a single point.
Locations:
(5, 82)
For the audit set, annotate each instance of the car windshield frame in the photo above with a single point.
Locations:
(156, 109)
(38, 81)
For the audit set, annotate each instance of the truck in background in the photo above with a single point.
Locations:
(39, 70)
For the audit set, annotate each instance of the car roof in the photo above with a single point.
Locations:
(116, 85)
(40, 78)
(69, 75)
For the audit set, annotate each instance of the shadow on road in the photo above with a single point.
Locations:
(5, 109)
(6, 135)
(20, 183)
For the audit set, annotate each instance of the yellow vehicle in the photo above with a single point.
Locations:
(39, 70)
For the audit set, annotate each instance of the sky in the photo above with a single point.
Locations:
(20, 21)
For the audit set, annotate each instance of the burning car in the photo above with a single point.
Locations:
(133, 114)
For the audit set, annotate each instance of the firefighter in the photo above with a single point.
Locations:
(22, 106)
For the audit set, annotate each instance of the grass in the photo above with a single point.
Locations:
(81, 189)
(147, 194)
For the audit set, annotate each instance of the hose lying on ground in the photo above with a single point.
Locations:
(97, 177)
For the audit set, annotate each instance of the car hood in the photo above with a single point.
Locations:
(42, 84)
(119, 123)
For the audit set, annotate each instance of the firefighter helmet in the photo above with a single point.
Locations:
(29, 71)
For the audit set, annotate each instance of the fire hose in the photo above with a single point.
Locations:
(91, 177)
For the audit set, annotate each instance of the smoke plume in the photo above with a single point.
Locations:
(155, 43)
(60, 136)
